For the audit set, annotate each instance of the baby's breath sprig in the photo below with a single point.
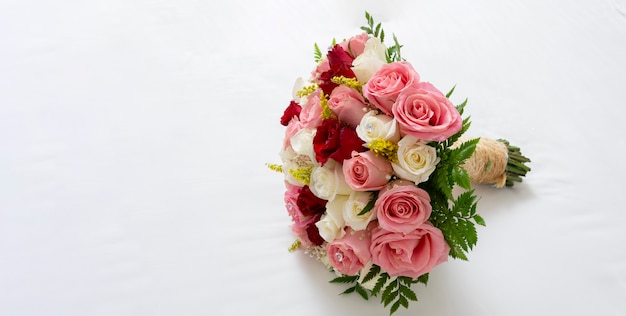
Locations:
(295, 246)
(302, 174)
(275, 167)
(384, 148)
(306, 90)
(327, 113)
(350, 82)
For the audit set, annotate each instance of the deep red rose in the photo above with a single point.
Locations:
(340, 63)
(333, 140)
(313, 233)
(309, 204)
(292, 110)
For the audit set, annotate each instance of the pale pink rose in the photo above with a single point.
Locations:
(424, 112)
(311, 114)
(386, 84)
(355, 45)
(366, 171)
(412, 254)
(322, 66)
(349, 254)
(402, 207)
(348, 104)
(292, 129)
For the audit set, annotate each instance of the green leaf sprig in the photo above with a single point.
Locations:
(456, 216)
(376, 30)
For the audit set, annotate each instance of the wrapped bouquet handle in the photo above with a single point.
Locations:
(496, 162)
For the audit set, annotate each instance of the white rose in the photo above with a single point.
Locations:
(372, 58)
(416, 160)
(331, 224)
(293, 161)
(328, 181)
(375, 125)
(354, 205)
(288, 156)
(302, 142)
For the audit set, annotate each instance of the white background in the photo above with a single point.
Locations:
(133, 138)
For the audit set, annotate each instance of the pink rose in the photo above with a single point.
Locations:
(292, 129)
(386, 84)
(350, 253)
(366, 171)
(355, 45)
(322, 67)
(411, 254)
(402, 207)
(348, 104)
(311, 113)
(425, 113)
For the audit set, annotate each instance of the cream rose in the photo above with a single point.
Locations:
(291, 161)
(331, 224)
(372, 58)
(302, 142)
(328, 181)
(354, 205)
(374, 125)
(416, 160)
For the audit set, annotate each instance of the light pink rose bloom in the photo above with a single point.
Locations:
(311, 114)
(402, 207)
(386, 84)
(367, 172)
(424, 112)
(350, 253)
(322, 66)
(355, 45)
(292, 129)
(348, 104)
(411, 254)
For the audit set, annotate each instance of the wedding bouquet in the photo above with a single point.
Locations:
(377, 173)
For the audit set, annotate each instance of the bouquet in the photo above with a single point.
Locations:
(378, 174)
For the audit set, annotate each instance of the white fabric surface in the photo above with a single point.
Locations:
(134, 134)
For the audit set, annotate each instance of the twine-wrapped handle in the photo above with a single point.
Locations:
(496, 162)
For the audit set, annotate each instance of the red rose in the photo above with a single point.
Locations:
(313, 234)
(292, 110)
(309, 204)
(332, 140)
(340, 63)
(308, 233)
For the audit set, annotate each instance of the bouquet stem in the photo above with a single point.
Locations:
(496, 162)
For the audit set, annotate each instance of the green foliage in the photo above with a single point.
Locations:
(345, 279)
(368, 207)
(399, 292)
(393, 292)
(376, 30)
(455, 216)
(317, 53)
